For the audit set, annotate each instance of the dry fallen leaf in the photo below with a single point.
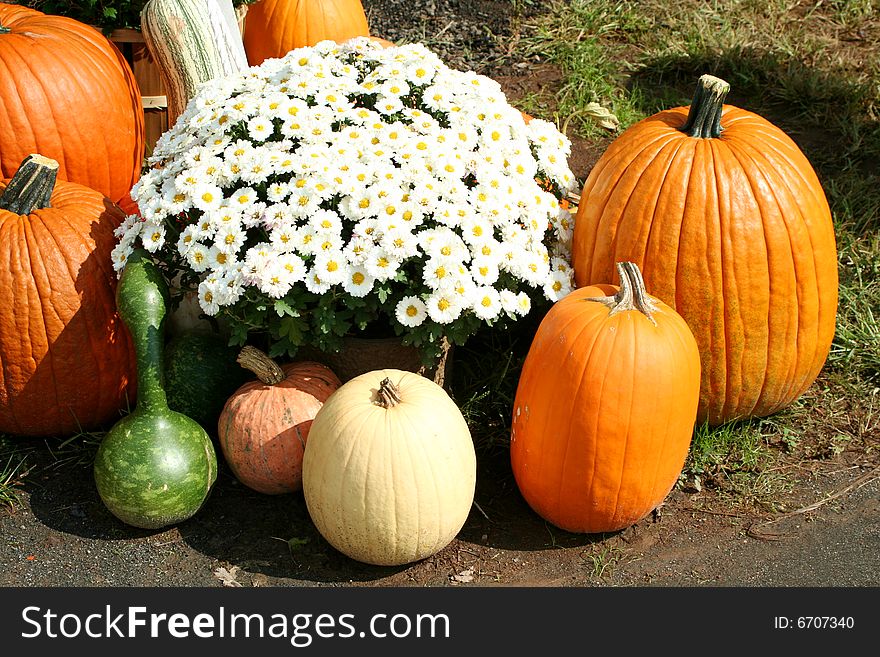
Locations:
(227, 576)
(602, 116)
(464, 576)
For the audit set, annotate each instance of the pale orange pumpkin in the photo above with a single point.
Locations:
(605, 407)
(264, 424)
(272, 28)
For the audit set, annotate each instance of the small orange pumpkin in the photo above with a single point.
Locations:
(272, 28)
(605, 407)
(264, 424)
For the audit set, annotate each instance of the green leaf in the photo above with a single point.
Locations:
(283, 308)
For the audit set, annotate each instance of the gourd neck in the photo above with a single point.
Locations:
(31, 187)
(388, 395)
(704, 115)
(265, 369)
(142, 299)
(631, 295)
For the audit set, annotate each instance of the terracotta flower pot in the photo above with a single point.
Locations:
(361, 355)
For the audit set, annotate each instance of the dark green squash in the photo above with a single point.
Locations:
(201, 373)
(155, 467)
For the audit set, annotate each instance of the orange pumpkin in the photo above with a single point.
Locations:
(605, 407)
(67, 359)
(264, 425)
(730, 226)
(67, 93)
(272, 28)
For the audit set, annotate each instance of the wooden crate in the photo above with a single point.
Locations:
(146, 73)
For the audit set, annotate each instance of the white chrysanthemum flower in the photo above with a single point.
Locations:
(277, 192)
(293, 266)
(484, 270)
(400, 242)
(439, 273)
(411, 311)
(358, 282)
(330, 266)
(260, 128)
(209, 296)
(558, 285)
(444, 306)
(273, 279)
(220, 260)
(230, 287)
(188, 237)
(315, 284)
(152, 236)
(119, 255)
(486, 302)
(243, 198)
(197, 257)
(523, 303)
(207, 197)
(381, 264)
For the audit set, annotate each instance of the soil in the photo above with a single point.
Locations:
(825, 531)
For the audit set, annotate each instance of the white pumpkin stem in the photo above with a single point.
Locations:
(631, 295)
(389, 394)
(265, 369)
(31, 187)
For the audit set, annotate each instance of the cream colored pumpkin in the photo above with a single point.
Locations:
(389, 468)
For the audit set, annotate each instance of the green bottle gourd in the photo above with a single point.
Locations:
(155, 467)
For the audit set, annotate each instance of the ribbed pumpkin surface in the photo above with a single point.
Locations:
(735, 234)
(604, 413)
(66, 360)
(263, 428)
(67, 93)
(272, 28)
(389, 486)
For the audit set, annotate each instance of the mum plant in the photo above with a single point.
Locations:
(345, 188)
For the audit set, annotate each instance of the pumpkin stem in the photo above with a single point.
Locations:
(31, 187)
(389, 394)
(4, 29)
(631, 295)
(266, 369)
(704, 116)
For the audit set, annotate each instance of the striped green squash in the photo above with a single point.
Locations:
(191, 41)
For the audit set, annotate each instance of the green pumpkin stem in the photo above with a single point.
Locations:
(631, 295)
(265, 369)
(31, 187)
(389, 394)
(4, 29)
(704, 116)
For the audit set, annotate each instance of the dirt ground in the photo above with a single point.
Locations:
(825, 531)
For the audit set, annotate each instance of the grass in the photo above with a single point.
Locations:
(813, 69)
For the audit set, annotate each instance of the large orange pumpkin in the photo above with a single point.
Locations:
(264, 424)
(66, 360)
(730, 226)
(272, 28)
(605, 407)
(67, 93)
